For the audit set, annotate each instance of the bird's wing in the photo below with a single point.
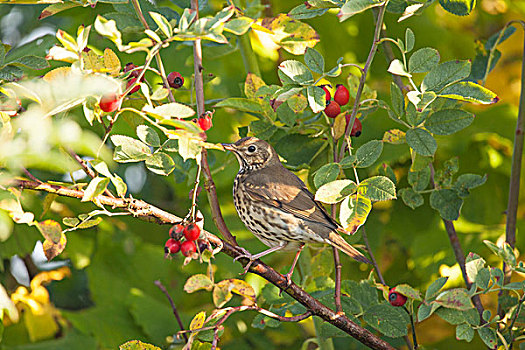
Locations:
(289, 194)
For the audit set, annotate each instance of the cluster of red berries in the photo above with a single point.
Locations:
(110, 102)
(190, 232)
(396, 298)
(333, 107)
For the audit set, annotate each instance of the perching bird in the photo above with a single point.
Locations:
(276, 206)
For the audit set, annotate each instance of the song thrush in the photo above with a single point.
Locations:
(276, 206)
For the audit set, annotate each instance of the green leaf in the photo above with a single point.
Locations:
(163, 23)
(354, 212)
(408, 291)
(314, 60)
(421, 100)
(414, 117)
(469, 92)
(421, 141)
(304, 12)
(128, 149)
(120, 185)
(286, 114)
(444, 74)
(11, 73)
(241, 104)
(423, 60)
(448, 121)
(297, 72)
(316, 98)
(398, 100)
(397, 67)
(160, 163)
(238, 26)
(456, 298)
(410, 40)
(287, 148)
(411, 198)
(353, 7)
(170, 110)
(489, 337)
(198, 282)
(435, 287)
(426, 310)
(447, 203)
(387, 319)
(464, 332)
(263, 129)
(368, 153)
(148, 135)
(327, 173)
(419, 180)
(452, 316)
(348, 161)
(333, 192)
(95, 188)
(377, 188)
(30, 61)
(137, 345)
(458, 7)
(362, 292)
(466, 182)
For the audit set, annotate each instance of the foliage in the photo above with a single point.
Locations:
(430, 135)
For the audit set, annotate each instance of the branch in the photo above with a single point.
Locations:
(148, 212)
(86, 168)
(173, 308)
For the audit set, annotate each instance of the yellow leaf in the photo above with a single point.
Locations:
(243, 289)
(51, 230)
(222, 293)
(51, 249)
(339, 126)
(111, 62)
(394, 136)
(59, 72)
(198, 321)
(92, 61)
(252, 84)
(354, 211)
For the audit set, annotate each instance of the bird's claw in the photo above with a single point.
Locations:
(288, 278)
(245, 254)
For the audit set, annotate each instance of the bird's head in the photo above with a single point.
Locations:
(252, 153)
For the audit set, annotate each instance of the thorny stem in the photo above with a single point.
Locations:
(158, 58)
(371, 54)
(148, 212)
(458, 252)
(173, 307)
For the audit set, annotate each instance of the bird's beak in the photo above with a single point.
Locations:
(228, 146)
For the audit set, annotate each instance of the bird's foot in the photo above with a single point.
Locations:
(288, 278)
(245, 254)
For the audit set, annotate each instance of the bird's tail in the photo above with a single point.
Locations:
(337, 241)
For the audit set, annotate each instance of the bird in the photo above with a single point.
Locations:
(277, 207)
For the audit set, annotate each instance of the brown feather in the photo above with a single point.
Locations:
(339, 242)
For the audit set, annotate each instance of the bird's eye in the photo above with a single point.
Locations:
(251, 149)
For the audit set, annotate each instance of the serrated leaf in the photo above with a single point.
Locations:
(314, 60)
(354, 212)
(316, 98)
(444, 74)
(327, 173)
(411, 198)
(489, 337)
(148, 135)
(333, 192)
(419, 180)
(456, 298)
(31, 62)
(421, 141)
(368, 153)
(160, 163)
(137, 345)
(447, 202)
(394, 136)
(448, 121)
(452, 316)
(458, 7)
(387, 319)
(111, 62)
(252, 83)
(421, 100)
(169, 110)
(396, 67)
(241, 104)
(238, 26)
(398, 100)
(286, 114)
(297, 72)
(408, 291)
(466, 182)
(128, 149)
(464, 332)
(423, 60)
(377, 188)
(354, 7)
(303, 12)
(198, 282)
(95, 188)
(469, 92)
(435, 287)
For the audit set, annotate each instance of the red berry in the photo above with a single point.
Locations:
(176, 231)
(356, 128)
(192, 232)
(130, 83)
(328, 96)
(174, 248)
(109, 103)
(341, 95)
(205, 122)
(396, 299)
(130, 67)
(175, 80)
(188, 248)
(332, 110)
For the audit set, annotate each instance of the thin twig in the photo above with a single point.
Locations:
(148, 212)
(173, 307)
(29, 175)
(89, 172)
(372, 257)
(414, 338)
